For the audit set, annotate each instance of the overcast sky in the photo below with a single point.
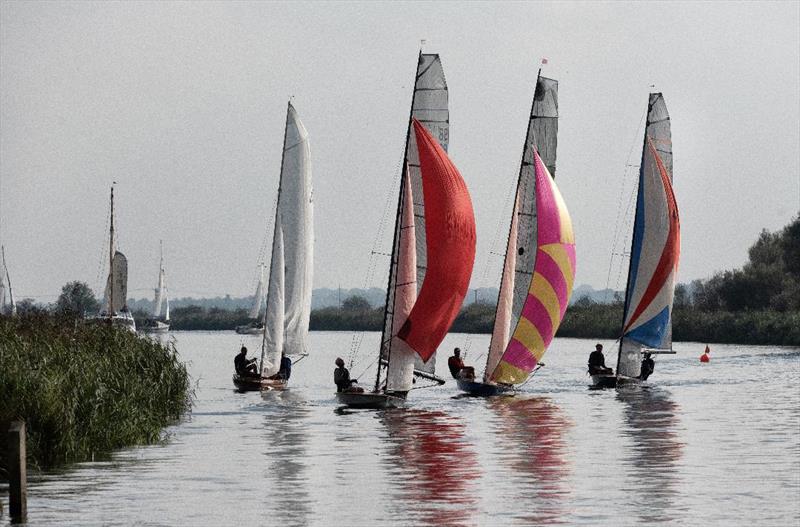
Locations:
(183, 104)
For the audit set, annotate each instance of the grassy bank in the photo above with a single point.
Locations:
(86, 389)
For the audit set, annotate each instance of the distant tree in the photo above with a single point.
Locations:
(682, 298)
(790, 244)
(27, 306)
(356, 304)
(77, 299)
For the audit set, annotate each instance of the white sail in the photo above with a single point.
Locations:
(295, 220)
(274, 320)
(160, 292)
(166, 308)
(258, 298)
(400, 372)
(119, 273)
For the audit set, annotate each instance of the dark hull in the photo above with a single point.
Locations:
(256, 384)
(370, 400)
(604, 380)
(480, 389)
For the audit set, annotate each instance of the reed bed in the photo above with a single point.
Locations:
(85, 389)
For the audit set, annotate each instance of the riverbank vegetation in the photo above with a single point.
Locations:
(85, 389)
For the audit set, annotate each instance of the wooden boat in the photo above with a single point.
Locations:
(115, 304)
(6, 307)
(433, 248)
(539, 266)
(254, 383)
(288, 310)
(655, 251)
(157, 324)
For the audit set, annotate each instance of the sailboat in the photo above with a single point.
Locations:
(115, 300)
(655, 251)
(433, 250)
(292, 264)
(156, 324)
(9, 307)
(539, 266)
(256, 326)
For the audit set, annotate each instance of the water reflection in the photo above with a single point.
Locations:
(650, 421)
(432, 465)
(285, 426)
(530, 436)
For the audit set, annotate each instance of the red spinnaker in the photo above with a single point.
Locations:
(450, 242)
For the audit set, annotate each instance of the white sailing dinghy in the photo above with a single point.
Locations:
(292, 264)
(432, 253)
(157, 323)
(7, 307)
(539, 266)
(115, 300)
(256, 326)
(655, 251)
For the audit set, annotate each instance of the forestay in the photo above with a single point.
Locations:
(655, 249)
(289, 286)
(429, 105)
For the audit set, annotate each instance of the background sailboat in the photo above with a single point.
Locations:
(256, 326)
(157, 324)
(434, 238)
(655, 251)
(7, 304)
(539, 266)
(289, 286)
(115, 299)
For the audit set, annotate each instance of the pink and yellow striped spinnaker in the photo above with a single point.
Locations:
(551, 284)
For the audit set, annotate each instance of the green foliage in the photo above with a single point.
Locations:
(477, 317)
(76, 299)
(86, 388)
(357, 304)
(334, 319)
(200, 318)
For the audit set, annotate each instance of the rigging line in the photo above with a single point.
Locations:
(625, 176)
(103, 254)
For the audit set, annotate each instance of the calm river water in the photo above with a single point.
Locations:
(702, 444)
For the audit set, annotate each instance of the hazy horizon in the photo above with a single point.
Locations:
(183, 104)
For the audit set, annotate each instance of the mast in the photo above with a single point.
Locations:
(387, 339)
(8, 279)
(111, 259)
(274, 228)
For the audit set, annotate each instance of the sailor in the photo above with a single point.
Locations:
(704, 357)
(597, 361)
(648, 365)
(285, 371)
(455, 363)
(244, 366)
(341, 376)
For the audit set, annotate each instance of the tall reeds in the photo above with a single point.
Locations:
(85, 388)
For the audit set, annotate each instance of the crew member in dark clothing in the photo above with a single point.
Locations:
(455, 363)
(285, 371)
(341, 376)
(597, 361)
(244, 366)
(648, 365)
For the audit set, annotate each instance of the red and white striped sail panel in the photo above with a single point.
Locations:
(450, 243)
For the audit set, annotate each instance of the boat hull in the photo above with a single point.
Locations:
(257, 384)
(370, 400)
(482, 389)
(604, 380)
(159, 327)
(249, 330)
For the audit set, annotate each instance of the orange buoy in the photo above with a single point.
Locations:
(704, 357)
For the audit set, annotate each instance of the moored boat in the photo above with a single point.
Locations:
(157, 324)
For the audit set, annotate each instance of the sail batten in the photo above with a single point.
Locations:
(655, 247)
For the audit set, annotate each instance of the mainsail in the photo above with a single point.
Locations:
(161, 292)
(117, 285)
(289, 290)
(429, 105)
(536, 284)
(655, 249)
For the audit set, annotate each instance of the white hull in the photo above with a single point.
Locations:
(157, 327)
(123, 320)
(249, 330)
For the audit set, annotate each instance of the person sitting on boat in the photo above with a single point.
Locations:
(341, 376)
(244, 366)
(455, 363)
(285, 371)
(597, 361)
(648, 365)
